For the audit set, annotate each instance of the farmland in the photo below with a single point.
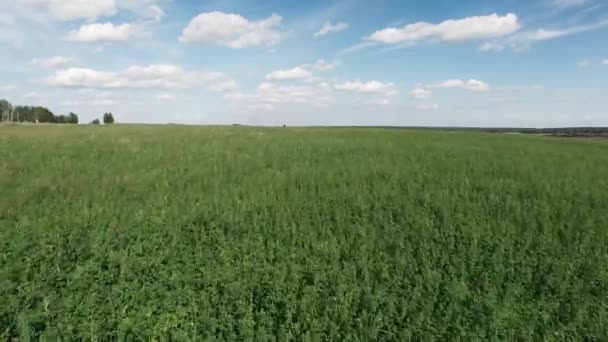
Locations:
(250, 233)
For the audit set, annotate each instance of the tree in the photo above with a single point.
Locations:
(95, 122)
(44, 115)
(73, 118)
(33, 114)
(108, 118)
(6, 111)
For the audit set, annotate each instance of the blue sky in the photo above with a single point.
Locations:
(442, 63)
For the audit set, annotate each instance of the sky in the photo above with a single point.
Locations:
(482, 63)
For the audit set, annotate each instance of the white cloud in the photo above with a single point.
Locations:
(8, 88)
(98, 50)
(91, 97)
(543, 34)
(221, 86)
(103, 102)
(53, 62)
(31, 95)
(79, 77)
(94, 9)
(470, 28)
(605, 61)
(328, 28)
(422, 93)
(491, 46)
(102, 32)
(153, 76)
(71, 103)
(427, 106)
(291, 74)
(154, 12)
(471, 85)
(166, 97)
(380, 92)
(322, 65)
(75, 9)
(583, 63)
(378, 102)
(372, 87)
(357, 47)
(269, 95)
(561, 4)
(522, 40)
(303, 71)
(232, 30)
(546, 34)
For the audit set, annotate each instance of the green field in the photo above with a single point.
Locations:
(238, 233)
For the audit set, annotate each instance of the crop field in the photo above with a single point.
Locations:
(242, 233)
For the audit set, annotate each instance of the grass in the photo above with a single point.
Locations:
(237, 233)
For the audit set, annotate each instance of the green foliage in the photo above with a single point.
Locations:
(95, 122)
(6, 110)
(108, 118)
(73, 118)
(32, 114)
(237, 233)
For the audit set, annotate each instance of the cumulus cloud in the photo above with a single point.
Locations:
(371, 87)
(328, 28)
(53, 62)
(491, 46)
(269, 95)
(421, 93)
(322, 65)
(479, 27)
(427, 106)
(232, 30)
(471, 85)
(92, 9)
(75, 9)
(154, 12)
(378, 102)
(304, 71)
(291, 74)
(152, 76)
(91, 97)
(102, 32)
(379, 92)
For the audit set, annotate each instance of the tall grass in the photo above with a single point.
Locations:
(306, 234)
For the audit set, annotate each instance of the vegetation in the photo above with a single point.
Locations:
(558, 131)
(238, 233)
(8, 113)
(108, 118)
(95, 122)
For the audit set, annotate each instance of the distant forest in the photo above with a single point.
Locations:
(8, 113)
(562, 131)
(36, 114)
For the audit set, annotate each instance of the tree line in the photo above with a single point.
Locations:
(36, 114)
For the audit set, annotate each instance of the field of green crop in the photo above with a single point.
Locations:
(236, 233)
